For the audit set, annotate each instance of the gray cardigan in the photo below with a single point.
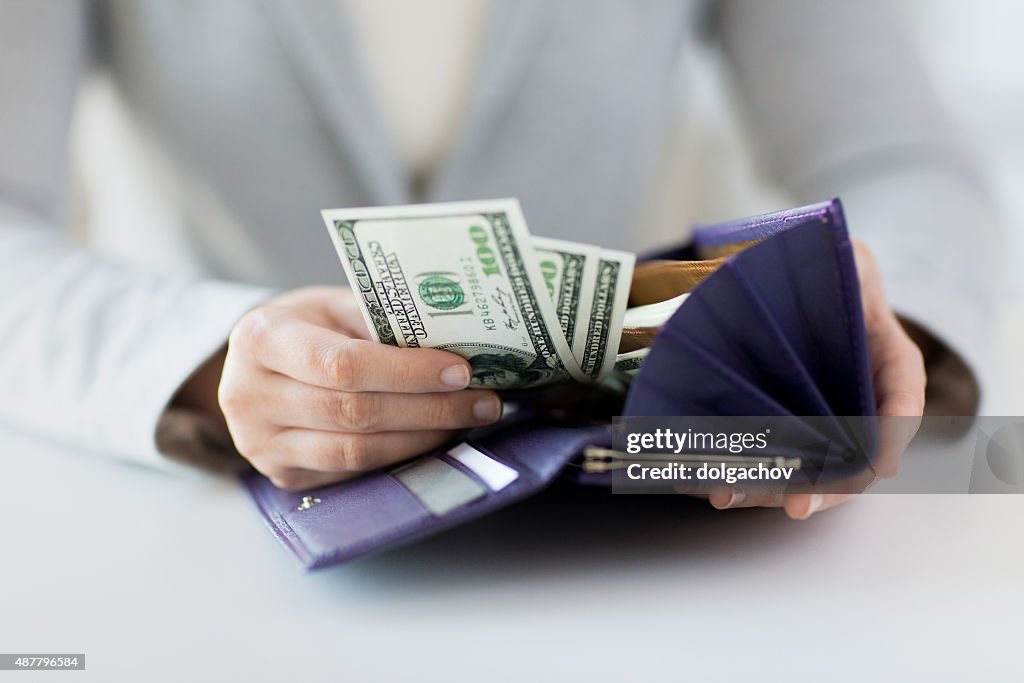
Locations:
(260, 104)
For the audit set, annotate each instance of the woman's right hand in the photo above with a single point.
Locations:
(311, 399)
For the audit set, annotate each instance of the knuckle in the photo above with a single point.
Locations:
(354, 455)
(230, 398)
(444, 412)
(246, 446)
(254, 443)
(253, 329)
(403, 376)
(340, 365)
(357, 412)
(287, 479)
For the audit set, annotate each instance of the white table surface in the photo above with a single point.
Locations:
(163, 578)
(158, 578)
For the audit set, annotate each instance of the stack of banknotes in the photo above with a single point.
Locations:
(469, 278)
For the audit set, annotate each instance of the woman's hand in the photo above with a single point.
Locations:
(309, 399)
(899, 378)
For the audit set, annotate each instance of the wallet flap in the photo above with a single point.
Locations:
(761, 227)
(806, 282)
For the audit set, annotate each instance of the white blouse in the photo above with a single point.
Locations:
(419, 59)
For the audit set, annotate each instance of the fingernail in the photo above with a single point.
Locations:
(456, 376)
(817, 500)
(738, 496)
(487, 410)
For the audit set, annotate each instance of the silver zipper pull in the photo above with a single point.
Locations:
(597, 459)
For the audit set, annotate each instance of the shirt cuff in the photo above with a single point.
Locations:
(937, 241)
(198, 326)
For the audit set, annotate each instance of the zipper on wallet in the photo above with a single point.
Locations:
(597, 459)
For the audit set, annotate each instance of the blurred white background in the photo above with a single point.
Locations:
(973, 49)
(976, 57)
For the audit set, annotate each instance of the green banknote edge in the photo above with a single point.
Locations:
(600, 325)
(361, 281)
(526, 297)
(568, 298)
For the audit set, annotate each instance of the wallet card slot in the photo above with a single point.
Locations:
(790, 357)
(438, 485)
(732, 389)
(462, 468)
(490, 471)
(743, 398)
(668, 384)
(736, 326)
(814, 403)
(822, 308)
(819, 405)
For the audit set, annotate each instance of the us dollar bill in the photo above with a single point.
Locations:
(627, 365)
(597, 343)
(590, 288)
(654, 315)
(457, 276)
(631, 361)
(568, 270)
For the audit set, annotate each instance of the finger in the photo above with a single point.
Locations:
(332, 307)
(900, 382)
(872, 290)
(315, 355)
(798, 506)
(897, 365)
(899, 387)
(300, 479)
(742, 497)
(802, 505)
(293, 404)
(895, 432)
(349, 455)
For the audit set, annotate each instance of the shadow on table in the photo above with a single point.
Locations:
(569, 532)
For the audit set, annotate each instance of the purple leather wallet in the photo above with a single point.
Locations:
(777, 331)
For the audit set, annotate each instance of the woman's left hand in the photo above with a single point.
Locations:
(899, 378)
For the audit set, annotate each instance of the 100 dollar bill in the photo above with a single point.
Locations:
(568, 270)
(597, 343)
(458, 276)
(590, 289)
